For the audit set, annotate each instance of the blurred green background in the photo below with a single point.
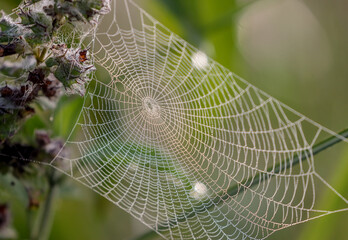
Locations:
(297, 51)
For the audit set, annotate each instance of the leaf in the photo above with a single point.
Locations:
(66, 115)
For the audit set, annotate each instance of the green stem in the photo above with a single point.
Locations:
(41, 56)
(45, 224)
(31, 222)
(46, 220)
(252, 181)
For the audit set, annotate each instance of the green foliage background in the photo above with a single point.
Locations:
(225, 30)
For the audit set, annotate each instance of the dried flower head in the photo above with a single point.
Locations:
(42, 137)
(52, 86)
(70, 66)
(16, 46)
(6, 92)
(14, 158)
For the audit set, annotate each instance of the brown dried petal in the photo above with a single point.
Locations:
(6, 92)
(37, 76)
(42, 137)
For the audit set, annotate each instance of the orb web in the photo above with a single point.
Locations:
(166, 136)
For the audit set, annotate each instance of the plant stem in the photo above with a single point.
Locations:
(42, 55)
(42, 233)
(252, 181)
(31, 222)
(46, 219)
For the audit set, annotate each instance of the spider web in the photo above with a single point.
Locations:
(186, 146)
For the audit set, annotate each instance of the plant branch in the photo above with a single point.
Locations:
(250, 182)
